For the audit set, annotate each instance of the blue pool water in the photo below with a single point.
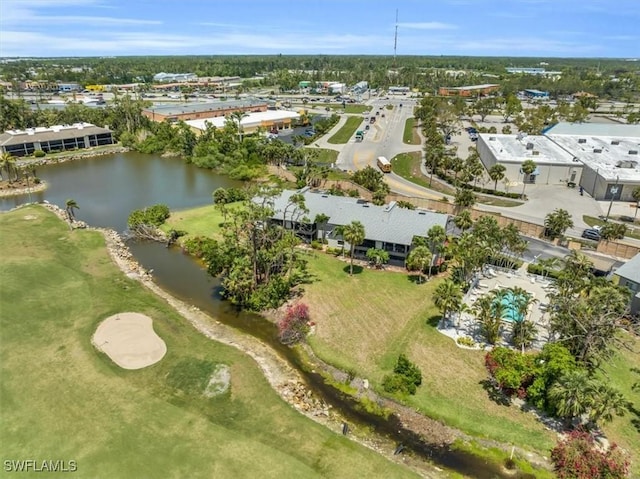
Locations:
(510, 311)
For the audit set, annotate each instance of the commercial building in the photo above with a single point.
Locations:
(401, 90)
(468, 91)
(537, 94)
(269, 120)
(628, 275)
(533, 71)
(554, 164)
(609, 152)
(195, 111)
(55, 138)
(163, 77)
(387, 227)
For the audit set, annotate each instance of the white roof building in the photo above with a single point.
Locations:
(252, 121)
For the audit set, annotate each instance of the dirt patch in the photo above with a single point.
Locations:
(219, 382)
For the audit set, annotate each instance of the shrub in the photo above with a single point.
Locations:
(315, 244)
(511, 370)
(542, 271)
(466, 341)
(578, 458)
(37, 180)
(39, 153)
(295, 325)
(153, 216)
(405, 379)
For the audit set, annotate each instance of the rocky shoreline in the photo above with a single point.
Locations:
(79, 155)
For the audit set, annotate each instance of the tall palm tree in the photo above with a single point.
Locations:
(8, 162)
(321, 221)
(70, 206)
(557, 222)
(635, 194)
(572, 395)
(496, 173)
(353, 234)
(237, 117)
(464, 198)
(420, 258)
(523, 333)
(463, 220)
(527, 168)
(448, 298)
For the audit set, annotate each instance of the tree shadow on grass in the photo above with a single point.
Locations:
(356, 269)
(434, 320)
(416, 279)
(494, 393)
(635, 420)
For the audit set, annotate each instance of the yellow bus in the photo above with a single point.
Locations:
(384, 164)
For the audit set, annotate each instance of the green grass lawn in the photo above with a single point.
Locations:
(201, 221)
(349, 107)
(344, 134)
(407, 165)
(410, 135)
(63, 400)
(324, 155)
(365, 321)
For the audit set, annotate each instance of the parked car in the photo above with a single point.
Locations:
(592, 234)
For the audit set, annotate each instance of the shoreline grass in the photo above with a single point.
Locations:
(71, 402)
(344, 134)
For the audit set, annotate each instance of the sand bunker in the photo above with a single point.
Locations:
(129, 340)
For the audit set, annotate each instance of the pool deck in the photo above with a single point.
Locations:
(494, 278)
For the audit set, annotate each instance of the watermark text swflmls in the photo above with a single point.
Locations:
(36, 465)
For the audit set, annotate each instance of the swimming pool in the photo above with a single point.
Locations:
(510, 302)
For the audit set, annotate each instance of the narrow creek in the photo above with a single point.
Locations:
(108, 188)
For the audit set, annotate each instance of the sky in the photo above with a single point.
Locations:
(539, 28)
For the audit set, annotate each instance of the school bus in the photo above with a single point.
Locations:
(384, 164)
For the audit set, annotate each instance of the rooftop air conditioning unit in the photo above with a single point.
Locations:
(597, 150)
(529, 146)
(582, 140)
(615, 142)
(633, 152)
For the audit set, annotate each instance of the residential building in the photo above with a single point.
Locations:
(628, 275)
(270, 120)
(55, 138)
(468, 91)
(195, 111)
(554, 164)
(386, 227)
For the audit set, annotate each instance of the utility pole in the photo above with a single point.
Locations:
(614, 191)
(395, 42)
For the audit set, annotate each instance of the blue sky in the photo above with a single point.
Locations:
(548, 28)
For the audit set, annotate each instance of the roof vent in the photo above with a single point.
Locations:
(390, 206)
(361, 202)
(492, 138)
(529, 146)
(325, 196)
(535, 152)
(575, 159)
(615, 142)
(582, 140)
(633, 152)
(423, 213)
(597, 150)
(365, 206)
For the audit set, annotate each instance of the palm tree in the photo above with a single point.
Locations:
(463, 220)
(353, 234)
(557, 222)
(572, 395)
(523, 333)
(70, 206)
(527, 168)
(464, 198)
(496, 173)
(237, 117)
(609, 402)
(448, 298)
(612, 231)
(420, 258)
(635, 194)
(321, 220)
(8, 162)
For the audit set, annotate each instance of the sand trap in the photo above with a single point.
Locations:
(129, 340)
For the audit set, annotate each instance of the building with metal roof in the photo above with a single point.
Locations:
(467, 91)
(554, 164)
(537, 94)
(386, 227)
(195, 111)
(628, 275)
(609, 152)
(54, 138)
(269, 120)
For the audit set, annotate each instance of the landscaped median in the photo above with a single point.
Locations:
(344, 134)
(159, 421)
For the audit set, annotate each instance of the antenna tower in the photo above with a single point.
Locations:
(395, 41)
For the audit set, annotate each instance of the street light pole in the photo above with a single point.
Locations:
(614, 190)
